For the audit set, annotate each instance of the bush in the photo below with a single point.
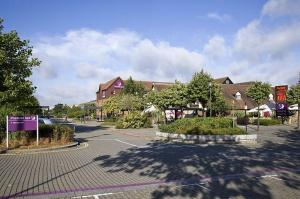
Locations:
(202, 126)
(242, 120)
(267, 122)
(133, 120)
(54, 133)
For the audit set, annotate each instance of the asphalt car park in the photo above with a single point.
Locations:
(134, 164)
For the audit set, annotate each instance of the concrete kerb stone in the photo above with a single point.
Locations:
(243, 139)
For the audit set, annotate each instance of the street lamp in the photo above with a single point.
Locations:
(210, 111)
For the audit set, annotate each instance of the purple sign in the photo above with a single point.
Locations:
(281, 109)
(118, 84)
(22, 123)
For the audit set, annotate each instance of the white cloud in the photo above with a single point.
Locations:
(259, 43)
(79, 60)
(218, 17)
(216, 47)
(277, 8)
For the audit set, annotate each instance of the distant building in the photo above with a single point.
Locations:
(234, 93)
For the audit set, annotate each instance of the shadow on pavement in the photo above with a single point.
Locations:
(231, 169)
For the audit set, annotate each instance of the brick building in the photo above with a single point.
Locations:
(234, 93)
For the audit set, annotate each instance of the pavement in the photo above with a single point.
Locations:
(133, 164)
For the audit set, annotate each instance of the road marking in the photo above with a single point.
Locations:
(117, 140)
(272, 177)
(96, 196)
(195, 184)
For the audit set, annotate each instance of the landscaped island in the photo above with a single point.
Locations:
(202, 126)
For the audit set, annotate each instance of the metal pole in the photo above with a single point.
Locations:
(298, 115)
(246, 118)
(37, 130)
(210, 111)
(7, 131)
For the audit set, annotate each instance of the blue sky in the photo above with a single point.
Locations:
(83, 43)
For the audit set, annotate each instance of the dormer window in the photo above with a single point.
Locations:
(271, 97)
(227, 81)
(153, 86)
(103, 94)
(238, 96)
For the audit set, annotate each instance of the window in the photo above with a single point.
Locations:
(227, 81)
(103, 94)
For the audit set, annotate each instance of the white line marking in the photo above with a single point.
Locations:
(272, 176)
(199, 185)
(96, 196)
(120, 141)
(126, 143)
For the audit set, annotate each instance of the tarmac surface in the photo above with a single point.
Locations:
(133, 164)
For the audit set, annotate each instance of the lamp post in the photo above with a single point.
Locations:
(210, 111)
(246, 122)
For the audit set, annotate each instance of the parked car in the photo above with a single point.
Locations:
(45, 121)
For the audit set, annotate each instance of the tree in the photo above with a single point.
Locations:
(219, 106)
(60, 110)
(133, 88)
(259, 92)
(293, 97)
(16, 64)
(174, 96)
(199, 89)
(130, 102)
(111, 105)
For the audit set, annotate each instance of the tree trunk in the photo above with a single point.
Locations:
(175, 114)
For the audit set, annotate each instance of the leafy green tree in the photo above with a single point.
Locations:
(16, 64)
(60, 110)
(259, 92)
(134, 88)
(219, 106)
(111, 105)
(174, 96)
(131, 102)
(199, 89)
(293, 97)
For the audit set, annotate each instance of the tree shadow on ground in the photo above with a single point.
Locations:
(225, 171)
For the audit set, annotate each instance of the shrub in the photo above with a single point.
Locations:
(133, 120)
(202, 126)
(242, 120)
(267, 122)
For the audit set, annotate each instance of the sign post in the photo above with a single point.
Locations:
(281, 105)
(22, 123)
(37, 130)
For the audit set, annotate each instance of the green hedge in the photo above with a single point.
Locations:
(202, 126)
(133, 120)
(268, 122)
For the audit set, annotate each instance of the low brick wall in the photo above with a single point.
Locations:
(209, 138)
